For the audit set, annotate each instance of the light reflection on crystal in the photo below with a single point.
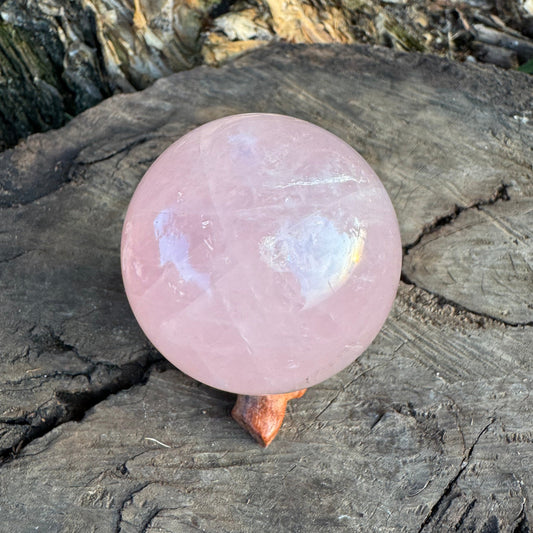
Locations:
(316, 253)
(174, 248)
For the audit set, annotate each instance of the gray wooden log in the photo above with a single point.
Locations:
(430, 430)
(490, 36)
(495, 55)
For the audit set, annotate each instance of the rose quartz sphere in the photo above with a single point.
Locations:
(260, 254)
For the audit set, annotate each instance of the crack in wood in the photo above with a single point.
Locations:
(465, 514)
(522, 526)
(14, 257)
(72, 406)
(522, 523)
(482, 318)
(59, 174)
(377, 420)
(124, 148)
(128, 499)
(501, 194)
(149, 519)
(449, 487)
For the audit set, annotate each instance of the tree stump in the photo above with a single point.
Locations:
(429, 430)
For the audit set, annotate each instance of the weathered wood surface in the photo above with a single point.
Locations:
(430, 430)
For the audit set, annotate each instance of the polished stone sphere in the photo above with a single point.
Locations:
(260, 254)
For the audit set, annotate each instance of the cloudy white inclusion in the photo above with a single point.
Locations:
(316, 253)
(244, 142)
(174, 249)
(322, 181)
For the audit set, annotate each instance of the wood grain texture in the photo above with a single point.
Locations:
(430, 430)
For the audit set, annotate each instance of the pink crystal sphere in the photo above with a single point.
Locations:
(260, 254)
